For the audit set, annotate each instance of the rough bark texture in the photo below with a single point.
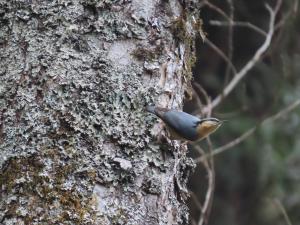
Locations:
(76, 145)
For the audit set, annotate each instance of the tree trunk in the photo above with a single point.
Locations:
(76, 144)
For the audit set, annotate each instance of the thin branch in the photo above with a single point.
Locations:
(230, 41)
(230, 21)
(205, 209)
(282, 112)
(210, 169)
(244, 136)
(228, 145)
(221, 53)
(204, 94)
(293, 11)
(239, 24)
(212, 180)
(250, 64)
(217, 9)
(196, 201)
(198, 102)
(277, 203)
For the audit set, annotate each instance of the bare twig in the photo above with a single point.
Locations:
(210, 169)
(288, 16)
(209, 166)
(293, 11)
(244, 136)
(230, 21)
(229, 145)
(211, 187)
(195, 199)
(251, 63)
(204, 94)
(282, 112)
(278, 204)
(221, 53)
(239, 24)
(198, 101)
(230, 40)
(217, 9)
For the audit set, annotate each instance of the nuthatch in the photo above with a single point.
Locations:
(184, 126)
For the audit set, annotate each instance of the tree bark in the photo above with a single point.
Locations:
(76, 144)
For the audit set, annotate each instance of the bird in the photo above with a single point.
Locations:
(183, 126)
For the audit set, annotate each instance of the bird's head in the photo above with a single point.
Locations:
(207, 126)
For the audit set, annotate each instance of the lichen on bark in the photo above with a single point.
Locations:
(76, 144)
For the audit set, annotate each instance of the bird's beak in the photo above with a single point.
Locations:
(222, 121)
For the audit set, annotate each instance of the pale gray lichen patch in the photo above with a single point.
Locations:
(144, 8)
(75, 77)
(120, 53)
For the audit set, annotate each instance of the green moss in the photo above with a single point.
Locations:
(17, 168)
(183, 34)
(179, 29)
(198, 26)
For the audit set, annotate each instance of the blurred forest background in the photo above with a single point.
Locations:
(257, 182)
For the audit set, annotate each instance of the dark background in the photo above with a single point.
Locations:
(254, 176)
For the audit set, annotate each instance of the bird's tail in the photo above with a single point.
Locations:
(158, 111)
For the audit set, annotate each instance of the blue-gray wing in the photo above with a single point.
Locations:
(183, 124)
